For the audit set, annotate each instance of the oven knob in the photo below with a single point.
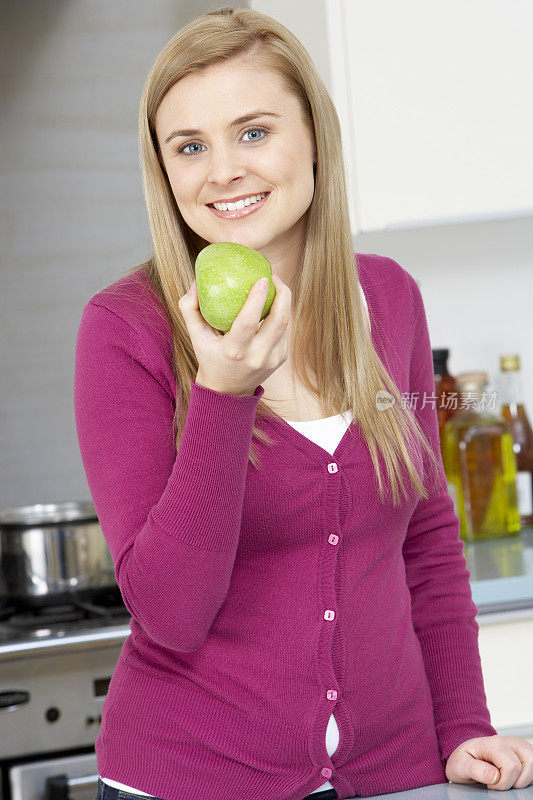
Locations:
(52, 714)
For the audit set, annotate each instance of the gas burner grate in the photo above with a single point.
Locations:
(24, 617)
(44, 616)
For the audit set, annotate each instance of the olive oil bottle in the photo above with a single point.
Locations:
(480, 465)
(514, 413)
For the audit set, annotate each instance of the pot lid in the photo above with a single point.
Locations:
(48, 513)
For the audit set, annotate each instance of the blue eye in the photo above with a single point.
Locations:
(181, 150)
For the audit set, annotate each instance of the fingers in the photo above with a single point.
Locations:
(190, 309)
(247, 320)
(277, 321)
(500, 762)
(189, 299)
(515, 764)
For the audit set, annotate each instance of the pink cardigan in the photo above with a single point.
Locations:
(264, 600)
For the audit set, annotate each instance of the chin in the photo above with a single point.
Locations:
(253, 242)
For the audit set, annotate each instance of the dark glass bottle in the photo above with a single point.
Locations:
(445, 389)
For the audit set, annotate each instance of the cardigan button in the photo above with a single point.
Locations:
(331, 694)
(333, 538)
(329, 614)
(332, 467)
(327, 772)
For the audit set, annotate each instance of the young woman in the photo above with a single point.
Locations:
(273, 497)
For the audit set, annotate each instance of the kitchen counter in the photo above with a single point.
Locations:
(501, 576)
(456, 791)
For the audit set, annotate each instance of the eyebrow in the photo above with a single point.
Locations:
(239, 121)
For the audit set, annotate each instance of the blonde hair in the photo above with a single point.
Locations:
(335, 346)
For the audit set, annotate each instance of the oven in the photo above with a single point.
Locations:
(56, 663)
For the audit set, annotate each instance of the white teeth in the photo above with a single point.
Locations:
(240, 203)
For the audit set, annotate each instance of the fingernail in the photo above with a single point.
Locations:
(263, 284)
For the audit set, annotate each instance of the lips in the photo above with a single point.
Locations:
(239, 212)
(242, 197)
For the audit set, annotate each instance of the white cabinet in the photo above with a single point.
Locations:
(434, 101)
(506, 650)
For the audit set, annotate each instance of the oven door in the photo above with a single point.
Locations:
(67, 778)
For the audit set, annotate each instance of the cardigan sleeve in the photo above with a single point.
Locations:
(442, 608)
(171, 519)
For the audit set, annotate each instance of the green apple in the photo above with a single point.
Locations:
(225, 273)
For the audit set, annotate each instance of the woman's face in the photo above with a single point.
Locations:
(225, 160)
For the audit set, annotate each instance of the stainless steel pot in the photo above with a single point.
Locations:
(50, 552)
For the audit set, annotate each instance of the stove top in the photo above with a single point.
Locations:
(24, 624)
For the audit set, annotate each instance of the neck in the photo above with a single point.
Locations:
(286, 255)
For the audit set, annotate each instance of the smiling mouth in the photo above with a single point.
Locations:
(239, 212)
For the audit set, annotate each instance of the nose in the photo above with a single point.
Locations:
(225, 166)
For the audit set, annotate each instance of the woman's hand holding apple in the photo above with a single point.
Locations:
(238, 361)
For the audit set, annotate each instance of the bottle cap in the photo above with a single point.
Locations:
(472, 381)
(510, 363)
(440, 357)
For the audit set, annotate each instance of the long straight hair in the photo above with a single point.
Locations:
(332, 351)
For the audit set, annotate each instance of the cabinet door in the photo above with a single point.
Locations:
(436, 100)
(506, 651)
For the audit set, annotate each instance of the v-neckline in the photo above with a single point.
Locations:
(308, 446)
